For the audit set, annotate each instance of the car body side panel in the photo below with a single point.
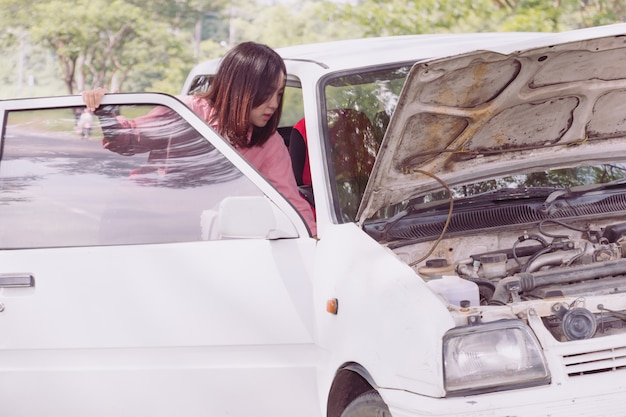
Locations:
(174, 325)
(384, 313)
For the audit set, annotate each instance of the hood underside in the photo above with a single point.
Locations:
(481, 115)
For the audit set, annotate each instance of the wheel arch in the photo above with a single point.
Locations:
(351, 380)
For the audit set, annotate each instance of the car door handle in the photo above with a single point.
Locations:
(17, 280)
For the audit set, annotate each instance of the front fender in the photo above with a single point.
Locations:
(388, 320)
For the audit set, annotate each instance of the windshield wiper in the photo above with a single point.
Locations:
(417, 207)
(576, 190)
(499, 195)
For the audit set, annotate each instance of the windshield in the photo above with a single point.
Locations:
(548, 179)
(359, 106)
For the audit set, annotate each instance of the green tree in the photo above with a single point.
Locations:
(294, 23)
(131, 45)
(398, 17)
(150, 45)
(199, 19)
(100, 42)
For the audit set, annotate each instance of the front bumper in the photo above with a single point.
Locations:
(597, 395)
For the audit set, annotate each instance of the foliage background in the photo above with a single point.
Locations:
(54, 47)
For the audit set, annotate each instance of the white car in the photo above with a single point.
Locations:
(470, 257)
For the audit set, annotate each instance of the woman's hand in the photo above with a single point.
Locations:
(93, 97)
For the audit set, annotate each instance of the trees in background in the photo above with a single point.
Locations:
(130, 45)
(399, 17)
(150, 45)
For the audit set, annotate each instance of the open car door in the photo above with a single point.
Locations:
(165, 279)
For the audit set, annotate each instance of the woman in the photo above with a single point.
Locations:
(244, 104)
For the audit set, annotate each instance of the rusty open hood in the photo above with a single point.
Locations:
(480, 115)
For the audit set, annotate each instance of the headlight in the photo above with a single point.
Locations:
(492, 357)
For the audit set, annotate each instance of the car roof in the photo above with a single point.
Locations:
(356, 53)
(365, 52)
(340, 55)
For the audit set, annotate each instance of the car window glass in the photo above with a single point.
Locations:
(61, 184)
(560, 178)
(293, 106)
(359, 107)
(293, 103)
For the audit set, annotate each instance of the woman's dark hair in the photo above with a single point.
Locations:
(247, 77)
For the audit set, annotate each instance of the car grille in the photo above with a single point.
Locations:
(607, 360)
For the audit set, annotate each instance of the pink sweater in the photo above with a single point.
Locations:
(271, 159)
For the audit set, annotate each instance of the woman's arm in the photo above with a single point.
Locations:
(146, 133)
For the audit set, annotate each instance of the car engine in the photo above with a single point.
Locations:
(566, 263)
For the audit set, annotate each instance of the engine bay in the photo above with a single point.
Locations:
(560, 265)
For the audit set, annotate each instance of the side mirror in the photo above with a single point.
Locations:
(249, 217)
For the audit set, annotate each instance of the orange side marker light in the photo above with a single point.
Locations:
(332, 306)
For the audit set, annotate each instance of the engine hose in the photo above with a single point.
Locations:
(543, 251)
(526, 281)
